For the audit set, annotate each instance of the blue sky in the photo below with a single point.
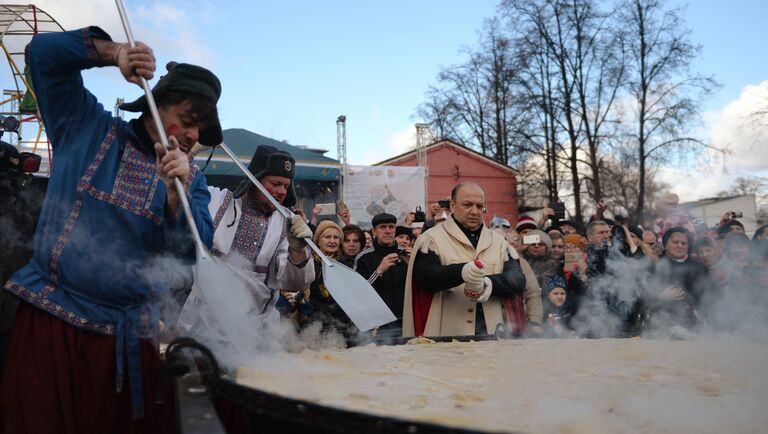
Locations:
(730, 34)
(290, 68)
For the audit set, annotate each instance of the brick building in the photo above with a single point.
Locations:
(449, 163)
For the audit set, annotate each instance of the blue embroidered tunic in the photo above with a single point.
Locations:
(104, 217)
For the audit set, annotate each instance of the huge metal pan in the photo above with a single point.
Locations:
(248, 410)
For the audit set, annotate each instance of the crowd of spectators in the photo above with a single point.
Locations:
(607, 278)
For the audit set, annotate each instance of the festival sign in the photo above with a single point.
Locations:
(370, 190)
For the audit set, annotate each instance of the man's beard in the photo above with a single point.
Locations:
(264, 207)
(259, 202)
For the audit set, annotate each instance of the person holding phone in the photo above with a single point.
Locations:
(404, 239)
(552, 211)
(384, 266)
(538, 248)
(343, 212)
(556, 313)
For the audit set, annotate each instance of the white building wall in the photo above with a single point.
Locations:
(712, 212)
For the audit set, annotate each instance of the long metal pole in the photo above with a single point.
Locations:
(285, 212)
(351, 291)
(201, 250)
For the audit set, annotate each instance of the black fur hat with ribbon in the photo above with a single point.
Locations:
(268, 160)
(186, 79)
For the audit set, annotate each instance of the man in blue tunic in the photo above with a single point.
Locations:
(82, 351)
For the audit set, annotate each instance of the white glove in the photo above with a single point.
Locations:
(473, 290)
(297, 232)
(479, 293)
(487, 289)
(472, 275)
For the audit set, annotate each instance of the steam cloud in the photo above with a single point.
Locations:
(739, 311)
(235, 331)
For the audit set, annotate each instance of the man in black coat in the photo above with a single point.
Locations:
(673, 295)
(385, 266)
(609, 306)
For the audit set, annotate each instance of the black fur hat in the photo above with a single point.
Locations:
(191, 79)
(268, 160)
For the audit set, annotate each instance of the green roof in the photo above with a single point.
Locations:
(309, 165)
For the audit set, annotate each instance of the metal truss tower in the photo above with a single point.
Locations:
(341, 150)
(423, 136)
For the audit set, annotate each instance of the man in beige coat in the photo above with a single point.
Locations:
(464, 279)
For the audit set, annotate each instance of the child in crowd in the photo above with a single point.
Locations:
(556, 315)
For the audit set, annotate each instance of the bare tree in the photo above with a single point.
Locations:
(476, 101)
(621, 176)
(538, 82)
(665, 92)
(442, 114)
(545, 20)
(596, 63)
(575, 70)
(749, 185)
(541, 93)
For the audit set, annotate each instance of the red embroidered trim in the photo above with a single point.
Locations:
(190, 178)
(136, 182)
(90, 48)
(61, 242)
(251, 231)
(41, 301)
(222, 209)
(122, 203)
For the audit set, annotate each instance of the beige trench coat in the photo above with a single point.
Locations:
(451, 312)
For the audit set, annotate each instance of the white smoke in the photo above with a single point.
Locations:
(232, 327)
(629, 286)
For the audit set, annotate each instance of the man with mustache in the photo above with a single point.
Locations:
(384, 266)
(82, 352)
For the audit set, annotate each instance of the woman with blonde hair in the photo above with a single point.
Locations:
(328, 237)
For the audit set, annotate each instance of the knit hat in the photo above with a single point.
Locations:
(323, 226)
(525, 222)
(402, 230)
(576, 240)
(552, 282)
(189, 79)
(543, 237)
(268, 160)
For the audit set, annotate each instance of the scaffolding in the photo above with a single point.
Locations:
(18, 24)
